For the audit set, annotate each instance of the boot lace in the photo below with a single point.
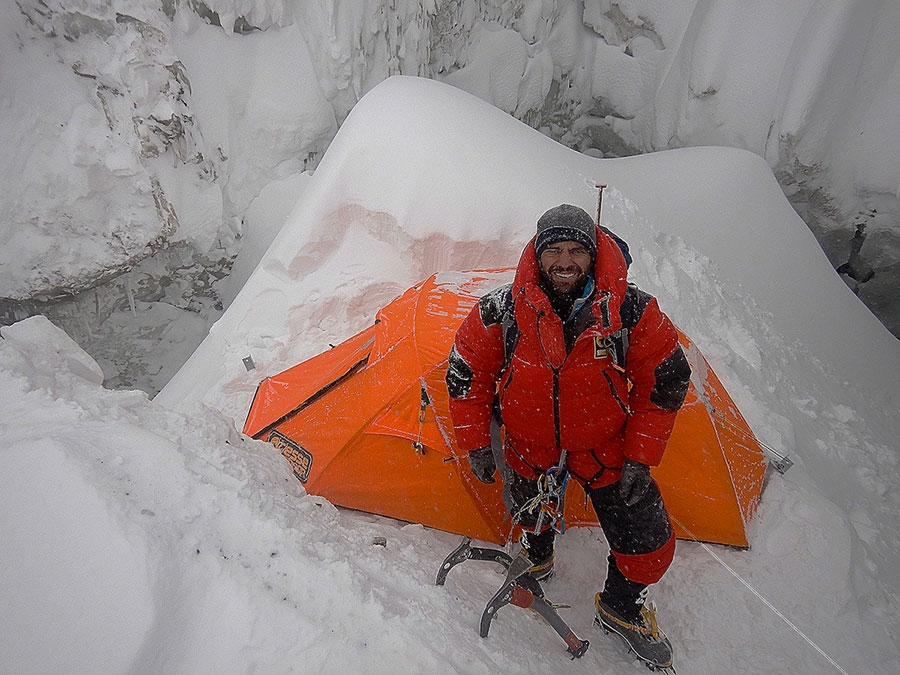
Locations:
(647, 624)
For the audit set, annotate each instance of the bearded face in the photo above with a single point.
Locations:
(566, 266)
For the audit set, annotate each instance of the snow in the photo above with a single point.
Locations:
(149, 536)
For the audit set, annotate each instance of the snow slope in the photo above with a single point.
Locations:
(230, 567)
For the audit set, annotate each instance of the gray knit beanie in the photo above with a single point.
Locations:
(566, 223)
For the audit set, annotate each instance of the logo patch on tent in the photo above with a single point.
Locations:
(300, 458)
(599, 347)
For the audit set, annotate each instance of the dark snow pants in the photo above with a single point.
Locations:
(640, 537)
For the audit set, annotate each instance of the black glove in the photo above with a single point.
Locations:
(634, 481)
(482, 463)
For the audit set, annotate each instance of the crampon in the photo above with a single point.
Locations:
(643, 637)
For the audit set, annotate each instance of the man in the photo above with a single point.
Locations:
(586, 375)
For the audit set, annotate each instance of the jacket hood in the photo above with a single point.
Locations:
(610, 276)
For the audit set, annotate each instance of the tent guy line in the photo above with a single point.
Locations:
(762, 598)
(781, 463)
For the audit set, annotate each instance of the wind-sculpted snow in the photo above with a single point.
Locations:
(171, 133)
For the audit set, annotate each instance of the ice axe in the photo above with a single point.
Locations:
(519, 589)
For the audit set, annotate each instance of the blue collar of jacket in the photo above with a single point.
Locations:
(583, 298)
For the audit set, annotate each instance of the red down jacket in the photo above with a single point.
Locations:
(583, 401)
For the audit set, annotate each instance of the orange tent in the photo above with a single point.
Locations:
(366, 425)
